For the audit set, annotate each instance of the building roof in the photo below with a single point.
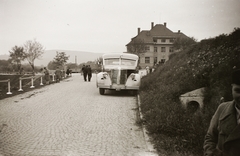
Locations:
(161, 30)
(157, 31)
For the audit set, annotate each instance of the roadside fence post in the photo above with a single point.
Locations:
(20, 84)
(9, 87)
(41, 81)
(32, 82)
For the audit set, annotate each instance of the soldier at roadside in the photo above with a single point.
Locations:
(68, 72)
(22, 72)
(84, 71)
(89, 73)
(47, 76)
(58, 74)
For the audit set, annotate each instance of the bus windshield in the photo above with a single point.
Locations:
(116, 61)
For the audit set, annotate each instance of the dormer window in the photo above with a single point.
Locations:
(163, 40)
(155, 40)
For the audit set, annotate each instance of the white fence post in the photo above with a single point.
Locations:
(9, 87)
(41, 81)
(20, 84)
(32, 83)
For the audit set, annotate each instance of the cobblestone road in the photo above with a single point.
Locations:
(70, 118)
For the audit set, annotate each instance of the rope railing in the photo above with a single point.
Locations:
(9, 86)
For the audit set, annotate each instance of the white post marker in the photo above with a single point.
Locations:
(9, 87)
(32, 83)
(41, 81)
(20, 84)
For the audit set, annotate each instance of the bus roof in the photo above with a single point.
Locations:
(122, 55)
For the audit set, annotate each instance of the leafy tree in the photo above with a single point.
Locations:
(5, 66)
(72, 65)
(33, 50)
(17, 55)
(136, 46)
(52, 65)
(61, 58)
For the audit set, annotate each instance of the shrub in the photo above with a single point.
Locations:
(206, 64)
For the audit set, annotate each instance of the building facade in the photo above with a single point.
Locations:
(157, 44)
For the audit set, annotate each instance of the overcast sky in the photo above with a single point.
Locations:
(108, 25)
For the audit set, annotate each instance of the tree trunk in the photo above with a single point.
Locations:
(32, 65)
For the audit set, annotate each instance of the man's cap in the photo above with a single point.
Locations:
(236, 76)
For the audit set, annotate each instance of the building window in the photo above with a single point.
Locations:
(163, 40)
(147, 59)
(155, 40)
(155, 49)
(147, 48)
(163, 49)
(155, 60)
(170, 49)
(171, 40)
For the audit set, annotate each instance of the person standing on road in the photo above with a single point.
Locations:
(223, 135)
(47, 76)
(84, 71)
(147, 70)
(58, 74)
(89, 73)
(68, 72)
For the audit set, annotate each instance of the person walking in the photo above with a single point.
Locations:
(84, 71)
(223, 135)
(47, 76)
(68, 72)
(147, 70)
(89, 73)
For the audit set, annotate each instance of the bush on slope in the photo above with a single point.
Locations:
(206, 64)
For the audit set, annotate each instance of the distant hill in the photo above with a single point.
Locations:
(4, 57)
(49, 55)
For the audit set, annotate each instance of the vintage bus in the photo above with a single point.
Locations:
(119, 72)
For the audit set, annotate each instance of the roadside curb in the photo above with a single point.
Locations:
(146, 137)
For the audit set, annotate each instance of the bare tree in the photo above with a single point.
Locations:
(17, 55)
(99, 61)
(33, 50)
(136, 46)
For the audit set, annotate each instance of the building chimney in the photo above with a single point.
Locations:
(152, 25)
(138, 30)
(179, 31)
(165, 24)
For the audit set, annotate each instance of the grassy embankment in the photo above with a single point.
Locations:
(209, 64)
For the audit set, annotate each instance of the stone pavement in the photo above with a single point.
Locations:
(70, 118)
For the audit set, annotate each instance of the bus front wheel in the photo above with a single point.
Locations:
(101, 91)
